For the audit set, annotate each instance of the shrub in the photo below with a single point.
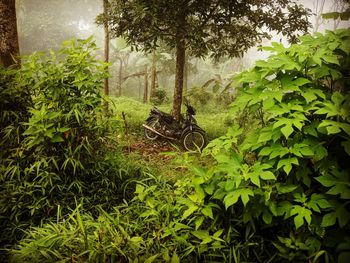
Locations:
(159, 97)
(279, 193)
(61, 155)
(289, 177)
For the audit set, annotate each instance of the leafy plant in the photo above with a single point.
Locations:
(291, 170)
(60, 152)
(159, 97)
(277, 193)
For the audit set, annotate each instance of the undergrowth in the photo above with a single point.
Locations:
(276, 192)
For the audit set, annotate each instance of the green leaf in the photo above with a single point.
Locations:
(265, 151)
(203, 235)
(175, 258)
(267, 175)
(207, 211)
(232, 197)
(191, 209)
(285, 188)
(338, 181)
(330, 58)
(57, 138)
(265, 136)
(284, 208)
(254, 178)
(340, 213)
(309, 96)
(329, 219)
(301, 81)
(287, 130)
(301, 214)
(198, 222)
(267, 216)
(218, 233)
(287, 164)
(151, 259)
(318, 201)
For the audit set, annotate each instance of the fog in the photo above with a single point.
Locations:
(45, 24)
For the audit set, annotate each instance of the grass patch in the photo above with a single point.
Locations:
(214, 123)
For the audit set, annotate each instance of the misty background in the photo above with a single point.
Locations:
(45, 24)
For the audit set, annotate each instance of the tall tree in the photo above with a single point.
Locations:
(153, 74)
(106, 42)
(202, 27)
(145, 91)
(9, 48)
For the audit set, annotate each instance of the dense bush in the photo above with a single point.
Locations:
(159, 97)
(62, 150)
(279, 193)
(289, 178)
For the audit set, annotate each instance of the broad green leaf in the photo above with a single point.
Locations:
(207, 211)
(284, 208)
(218, 233)
(232, 198)
(285, 188)
(254, 178)
(280, 122)
(267, 175)
(309, 96)
(340, 213)
(287, 130)
(203, 235)
(338, 182)
(318, 201)
(191, 209)
(57, 138)
(330, 58)
(267, 216)
(287, 164)
(337, 98)
(265, 136)
(301, 214)
(345, 127)
(329, 219)
(301, 81)
(198, 222)
(265, 151)
(175, 258)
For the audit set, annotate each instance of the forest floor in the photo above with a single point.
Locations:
(161, 156)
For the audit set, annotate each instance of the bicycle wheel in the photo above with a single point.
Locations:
(194, 140)
(153, 123)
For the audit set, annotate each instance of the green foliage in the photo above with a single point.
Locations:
(61, 150)
(143, 24)
(278, 193)
(159, 97)
(162, 223)
(292, 169)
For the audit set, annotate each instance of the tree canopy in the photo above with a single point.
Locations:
(221, 27)
(203, 27)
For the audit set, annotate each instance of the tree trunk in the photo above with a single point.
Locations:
(185, 75)
(140, 87)
(120, 77)
(153, 74)
(179, 77)
(145, 92)
(9, 47)
(106, 47)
